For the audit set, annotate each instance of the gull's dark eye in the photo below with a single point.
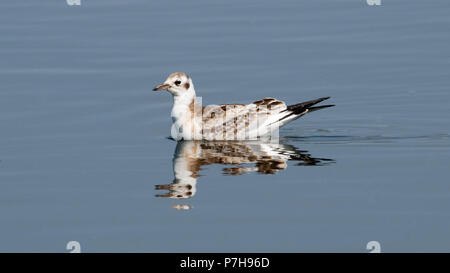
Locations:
(177, 82)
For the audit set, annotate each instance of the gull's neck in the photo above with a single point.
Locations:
(183, 107)
(185, 99)
(183, 115)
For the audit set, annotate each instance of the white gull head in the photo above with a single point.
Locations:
(180, 85)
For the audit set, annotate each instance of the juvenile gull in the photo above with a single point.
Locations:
(191, 121)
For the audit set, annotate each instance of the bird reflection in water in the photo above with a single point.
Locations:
(242, 157)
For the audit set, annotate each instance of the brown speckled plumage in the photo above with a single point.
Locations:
(231, 120)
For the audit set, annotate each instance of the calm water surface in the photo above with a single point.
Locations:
(84, 145)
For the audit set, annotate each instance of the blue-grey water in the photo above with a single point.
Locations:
(84, 148)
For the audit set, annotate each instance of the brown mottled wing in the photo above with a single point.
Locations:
(270, 105)
(234, 119)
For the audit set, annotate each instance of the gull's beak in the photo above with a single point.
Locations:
(161, 87)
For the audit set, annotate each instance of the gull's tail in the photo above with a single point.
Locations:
(295, 111)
